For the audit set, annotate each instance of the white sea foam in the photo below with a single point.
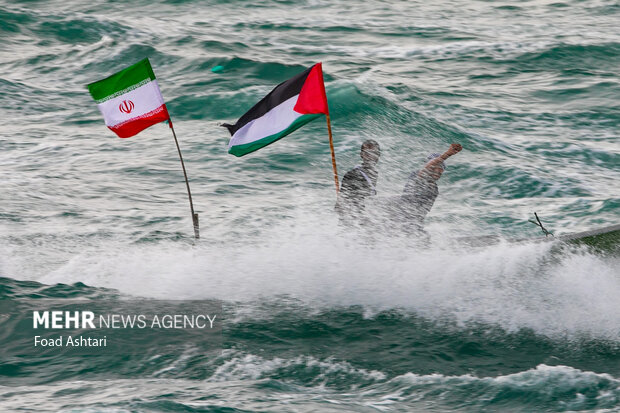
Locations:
(559, 388)
(562, 387)
(253, 367)
(570, 293)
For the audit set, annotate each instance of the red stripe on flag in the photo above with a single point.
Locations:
(312, 98)
(136, 125)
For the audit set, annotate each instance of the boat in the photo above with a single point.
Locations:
(605, 239)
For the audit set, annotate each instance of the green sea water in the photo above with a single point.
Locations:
(315, 318)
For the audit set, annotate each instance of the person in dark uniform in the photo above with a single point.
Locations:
(358, 184)
(421, 191)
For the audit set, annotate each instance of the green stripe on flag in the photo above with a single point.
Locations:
(240, 150)
(122, 82)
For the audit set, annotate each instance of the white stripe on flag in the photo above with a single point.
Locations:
(145, 99)
(272, 122)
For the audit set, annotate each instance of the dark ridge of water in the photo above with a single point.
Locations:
(603, 57)
(606, 9)
(130, 53)
(12, 22)
(243, 72)
(517, 180)
(84, 30)
(598, 91)
(404, 343)
(21, 289)
(221, 46)
(510, 8)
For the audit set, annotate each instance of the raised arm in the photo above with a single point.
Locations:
(453, 150)
(432, 166)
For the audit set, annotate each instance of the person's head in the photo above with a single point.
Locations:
(371, 151)
(437, 169)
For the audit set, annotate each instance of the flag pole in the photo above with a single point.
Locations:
(189, 193)
(331, 147)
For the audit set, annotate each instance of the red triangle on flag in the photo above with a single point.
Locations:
(312, 98)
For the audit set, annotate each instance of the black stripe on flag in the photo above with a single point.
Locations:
(281, 93)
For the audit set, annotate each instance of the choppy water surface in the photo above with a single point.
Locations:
(317, 319)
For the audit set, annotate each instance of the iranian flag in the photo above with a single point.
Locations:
(286, 108)
(130, 100)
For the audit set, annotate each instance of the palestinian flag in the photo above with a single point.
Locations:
(286, 108)
(130, 100)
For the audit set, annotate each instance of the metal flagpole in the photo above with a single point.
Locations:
(331, 147)
(189, 193)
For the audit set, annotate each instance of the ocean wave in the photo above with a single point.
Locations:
(552, 388)
(545, 387)
(305, 369)
(13, 20)
(511, 286)
(602, 56)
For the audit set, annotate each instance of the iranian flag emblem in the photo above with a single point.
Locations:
(130, 100)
